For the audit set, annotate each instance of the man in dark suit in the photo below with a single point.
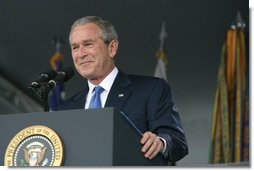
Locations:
(147, 101)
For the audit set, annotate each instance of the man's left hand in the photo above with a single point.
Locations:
(152, 145)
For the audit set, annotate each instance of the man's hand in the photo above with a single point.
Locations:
(152, 145)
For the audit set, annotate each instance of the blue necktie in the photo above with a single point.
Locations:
(96, 100)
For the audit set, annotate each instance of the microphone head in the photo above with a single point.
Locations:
(44, 77)
(62, 76)
(68, 73)
(49, 74)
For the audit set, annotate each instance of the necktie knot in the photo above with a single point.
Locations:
(96, 99)
(98, 90)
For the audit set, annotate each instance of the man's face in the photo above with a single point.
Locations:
(92, 57)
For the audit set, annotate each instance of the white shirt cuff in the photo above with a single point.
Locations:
(164, 143)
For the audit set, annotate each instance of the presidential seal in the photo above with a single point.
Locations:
(34, 146)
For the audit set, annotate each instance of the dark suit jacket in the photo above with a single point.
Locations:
(148, 102)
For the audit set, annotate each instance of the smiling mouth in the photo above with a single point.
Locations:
(85, 63)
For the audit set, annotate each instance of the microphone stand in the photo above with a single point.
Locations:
(45, 91)
(41, 92)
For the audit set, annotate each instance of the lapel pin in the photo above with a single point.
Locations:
(120, 95)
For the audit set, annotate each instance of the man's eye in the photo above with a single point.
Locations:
(88, 44)
(74, 47)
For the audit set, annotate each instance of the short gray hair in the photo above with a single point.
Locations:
(108, 32)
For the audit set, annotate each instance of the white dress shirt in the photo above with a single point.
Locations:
(106, 84)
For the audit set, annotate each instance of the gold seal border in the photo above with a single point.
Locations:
(35, 130)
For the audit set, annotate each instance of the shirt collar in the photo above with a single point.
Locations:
(107, 82)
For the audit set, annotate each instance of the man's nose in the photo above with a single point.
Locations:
(82, 51)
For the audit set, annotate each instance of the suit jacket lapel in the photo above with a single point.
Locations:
(118, 93)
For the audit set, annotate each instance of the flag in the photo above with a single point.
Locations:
(160, 70)
(57, 95)
(230, 123)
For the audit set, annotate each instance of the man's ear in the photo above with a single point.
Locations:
(112, 47)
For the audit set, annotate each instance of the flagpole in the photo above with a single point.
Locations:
(163, 35)
(57, 41)
(238, 23)
(160, 70)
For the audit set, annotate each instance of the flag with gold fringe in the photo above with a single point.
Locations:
(230, 124)
(162, 59)
(57, 95)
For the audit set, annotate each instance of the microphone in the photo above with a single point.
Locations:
(44, 77)
(62, 76)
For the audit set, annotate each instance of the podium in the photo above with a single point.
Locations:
(96, 137)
